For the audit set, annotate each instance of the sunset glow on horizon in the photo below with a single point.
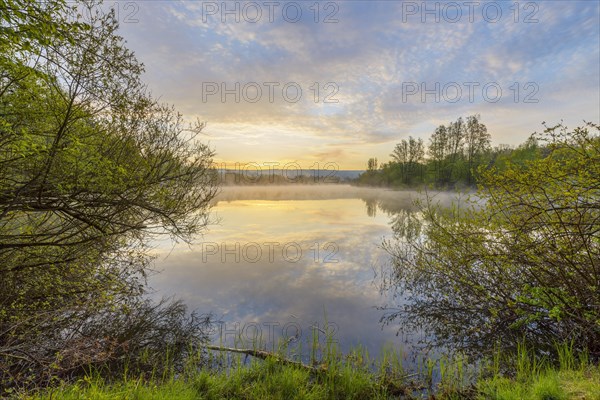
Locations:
(340, 82)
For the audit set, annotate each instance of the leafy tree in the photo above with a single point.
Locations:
(372, 164)
(477, 145)
(454, 153)
(526, 152)
(438, 147)
(92, 169)
(409, 155)
(455, 147)
(520, 261)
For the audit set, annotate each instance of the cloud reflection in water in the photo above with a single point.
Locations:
(242, 272)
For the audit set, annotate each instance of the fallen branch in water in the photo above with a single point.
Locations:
(265, 354)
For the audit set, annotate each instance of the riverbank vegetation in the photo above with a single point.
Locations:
(353, 376)
(92, 168)
(450, 159)
(520, 259)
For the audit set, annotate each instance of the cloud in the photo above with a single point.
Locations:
(368, 54)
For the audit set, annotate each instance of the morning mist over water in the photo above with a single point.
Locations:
(300, 199)
(282, 259)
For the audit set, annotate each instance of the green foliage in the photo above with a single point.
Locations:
(537, 379)
(519, 261)
(454, 153)
(348, 378)
(91, 169)
(271, 380)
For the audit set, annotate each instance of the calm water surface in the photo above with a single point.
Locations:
(283, 260)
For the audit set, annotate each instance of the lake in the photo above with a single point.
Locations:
(286, 262)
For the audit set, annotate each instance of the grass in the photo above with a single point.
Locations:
(231, 376)
(353, 377)
(261, 380)
(574, 378)
(581, 384)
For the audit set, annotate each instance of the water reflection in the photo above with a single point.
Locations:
(287, 262)
(371, 207)
(404, 220)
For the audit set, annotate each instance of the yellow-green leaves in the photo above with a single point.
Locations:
(524, 262)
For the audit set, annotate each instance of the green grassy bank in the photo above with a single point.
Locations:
(354, 377)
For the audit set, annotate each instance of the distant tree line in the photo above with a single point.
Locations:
(260, 178)
(450, 159)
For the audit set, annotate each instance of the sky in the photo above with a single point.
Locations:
(337, 82)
